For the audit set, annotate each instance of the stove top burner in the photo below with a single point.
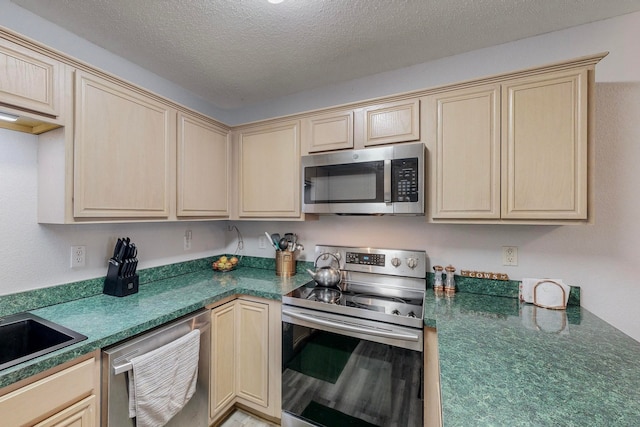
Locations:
(325, 295)
(378, 284)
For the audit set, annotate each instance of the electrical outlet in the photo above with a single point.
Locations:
(262, 242)
(509, 255)
(78, 254)
(187, 240)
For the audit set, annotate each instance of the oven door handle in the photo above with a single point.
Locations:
(351, 328)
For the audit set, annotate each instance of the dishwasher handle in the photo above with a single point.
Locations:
(123, 364)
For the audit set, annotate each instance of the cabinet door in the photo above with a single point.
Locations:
(29, 80)
(50, 395)
(269, 167)
(544, 146)
(392, 122)
(223, 359)
(324, 132)
(253, 352)
(124, 151)
(204, 156)
(432, 400)
(463, 134)
(82, 414)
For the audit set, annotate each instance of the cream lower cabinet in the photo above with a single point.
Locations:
(510, 151)
(222, 389)
(124, 151)
(432, 400)
(246, 360)
(204, 161)
(268, 159)
(67, 397)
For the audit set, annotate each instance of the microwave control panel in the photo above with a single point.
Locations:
(404, 180)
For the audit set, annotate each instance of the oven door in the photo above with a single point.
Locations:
(339, 371)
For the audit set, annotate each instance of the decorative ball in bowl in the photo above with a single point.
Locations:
(225, 263)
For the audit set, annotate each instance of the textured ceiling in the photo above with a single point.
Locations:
(236, 53)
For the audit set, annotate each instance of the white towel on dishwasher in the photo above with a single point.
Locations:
(162, 381)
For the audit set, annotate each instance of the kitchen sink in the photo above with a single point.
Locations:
(25, 336)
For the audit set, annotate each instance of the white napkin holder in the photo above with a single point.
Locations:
(546, 293)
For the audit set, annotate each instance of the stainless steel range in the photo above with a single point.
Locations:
(352, 353)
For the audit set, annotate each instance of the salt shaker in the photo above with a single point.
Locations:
(438, 286)
(450, 284)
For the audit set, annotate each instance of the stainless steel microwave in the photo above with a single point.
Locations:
(384, 180)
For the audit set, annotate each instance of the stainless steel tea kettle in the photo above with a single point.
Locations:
(326, 276)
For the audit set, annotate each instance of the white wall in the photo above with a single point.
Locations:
(601, 258)
(35, 255)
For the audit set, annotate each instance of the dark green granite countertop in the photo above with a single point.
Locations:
(106, 320)
(502, 363)
(506, 363)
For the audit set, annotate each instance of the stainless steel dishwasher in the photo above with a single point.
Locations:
(116, 364)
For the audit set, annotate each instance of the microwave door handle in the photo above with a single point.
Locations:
(387, 181)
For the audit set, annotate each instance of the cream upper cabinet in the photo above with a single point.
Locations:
(371, 125)
(511, 151)
(544, 146)
(204, 160)
(68, 396)
(29, 80)
(269, 171)
(31, 87)
(464, 144)
(391, 122)
(124, 151)
(326, 132)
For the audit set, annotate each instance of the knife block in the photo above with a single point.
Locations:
(119, 286)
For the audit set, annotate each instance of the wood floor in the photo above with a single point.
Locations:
(240, 418)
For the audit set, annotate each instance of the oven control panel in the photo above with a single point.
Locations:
(396, 262)
(365, 259)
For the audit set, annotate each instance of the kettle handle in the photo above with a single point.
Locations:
(315, 264)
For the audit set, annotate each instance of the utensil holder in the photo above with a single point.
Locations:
(285, 263)
(117, 285)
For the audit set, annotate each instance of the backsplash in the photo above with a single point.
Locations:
(499, 288)
(38, 298)
(43, 297)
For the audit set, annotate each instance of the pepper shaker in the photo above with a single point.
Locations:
(450, 284)
(438, 286)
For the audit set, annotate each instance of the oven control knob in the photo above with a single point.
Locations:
(395, 262)
(412, 263)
